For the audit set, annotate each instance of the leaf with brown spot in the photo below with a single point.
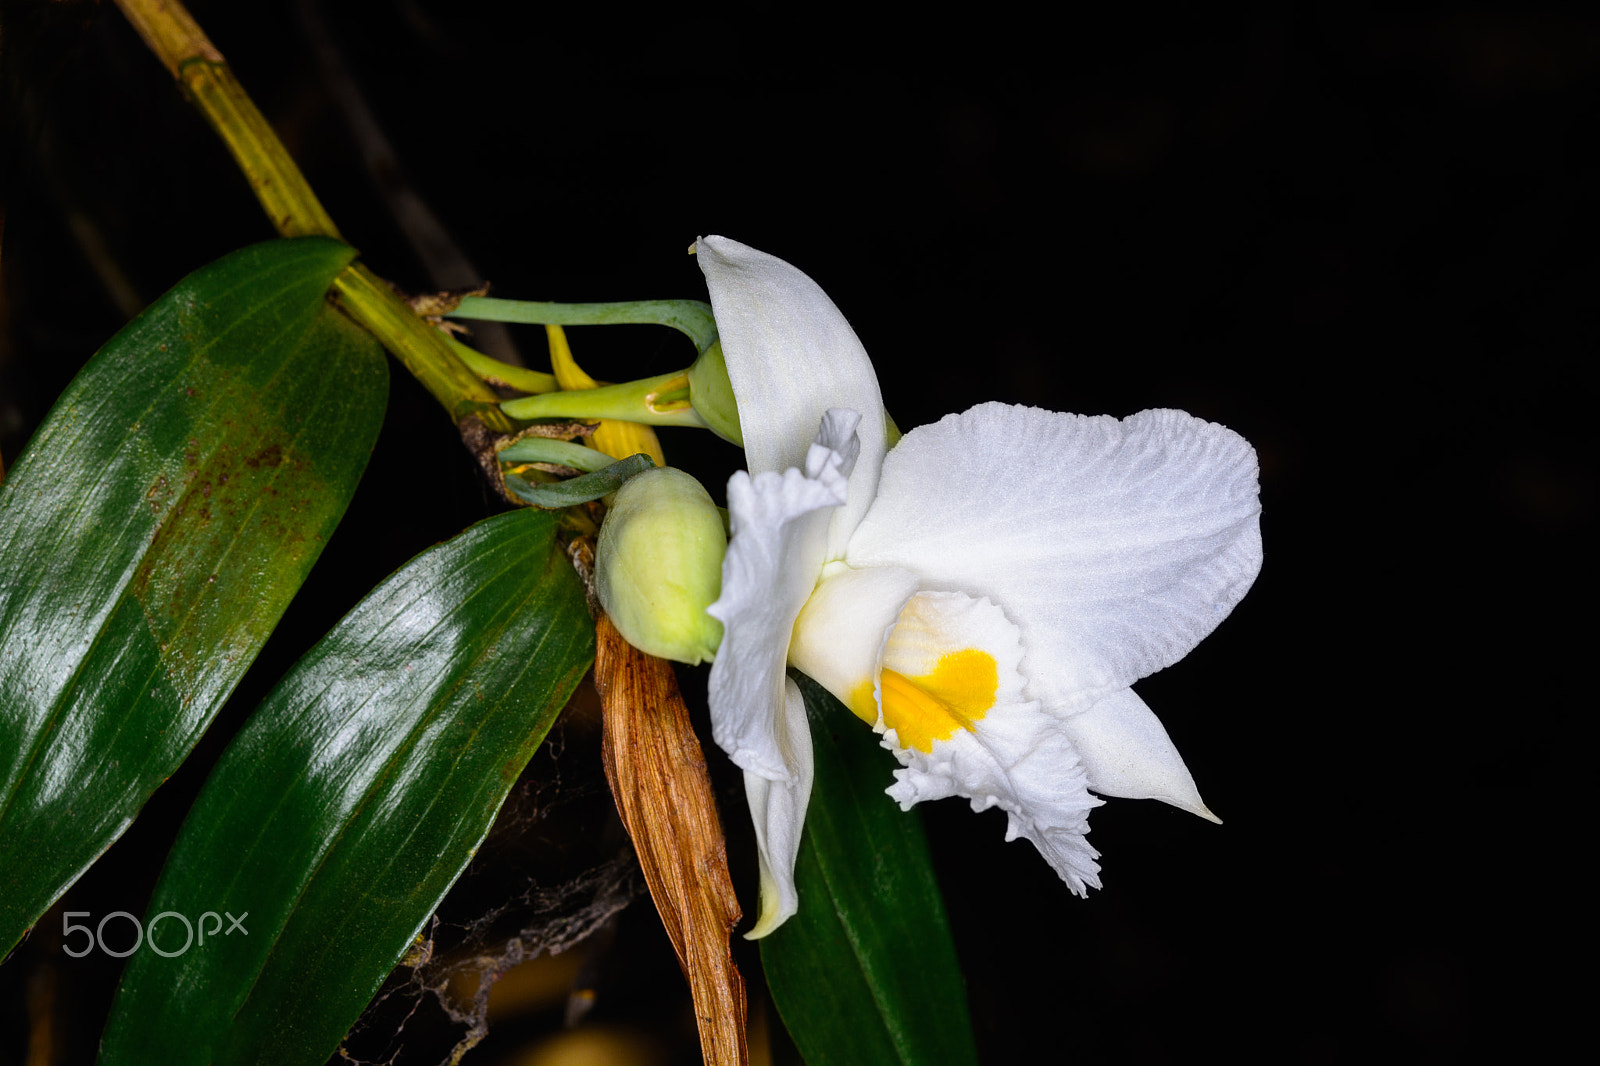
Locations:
(151, 536)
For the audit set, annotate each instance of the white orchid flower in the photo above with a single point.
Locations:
(984, 595)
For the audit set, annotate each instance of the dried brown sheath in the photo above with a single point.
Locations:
(658, 777)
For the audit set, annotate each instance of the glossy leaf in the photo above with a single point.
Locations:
(151, 536)
(865, 972)
(352, 799)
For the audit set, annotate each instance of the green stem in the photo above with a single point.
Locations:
(283, 191)
(520, 378)
(545, 450)
(180, 44)
(191, 58)
(582, 488)
(657, 401)
(692, 318)
(423, 350)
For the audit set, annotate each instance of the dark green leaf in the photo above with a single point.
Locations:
(152, 535)
(865, 972)
(352, 800)
(580, 489)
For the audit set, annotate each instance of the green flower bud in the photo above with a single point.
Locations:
(711, 395)
(658, 565)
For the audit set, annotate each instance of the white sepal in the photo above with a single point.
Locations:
(1127, 753)
(1015, 757)
(778, 809)
(779, 526)
(791, 356)
(1115, 546)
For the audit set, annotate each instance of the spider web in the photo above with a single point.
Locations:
(555, 869)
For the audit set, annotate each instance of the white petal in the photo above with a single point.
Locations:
(791, 356)
(779, 524)
(778, 809)
(1116, 546)
(1127, 753)
(1010, 755)
(840, 633)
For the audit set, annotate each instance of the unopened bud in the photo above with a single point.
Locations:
(658, 565)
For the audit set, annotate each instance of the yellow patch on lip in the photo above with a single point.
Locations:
(960, 691)
(863, 704)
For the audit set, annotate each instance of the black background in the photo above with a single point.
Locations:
(1361, 236)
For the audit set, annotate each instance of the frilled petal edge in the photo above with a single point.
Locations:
(779, 526)
(959, 722)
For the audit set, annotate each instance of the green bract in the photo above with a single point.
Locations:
(659, 565)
